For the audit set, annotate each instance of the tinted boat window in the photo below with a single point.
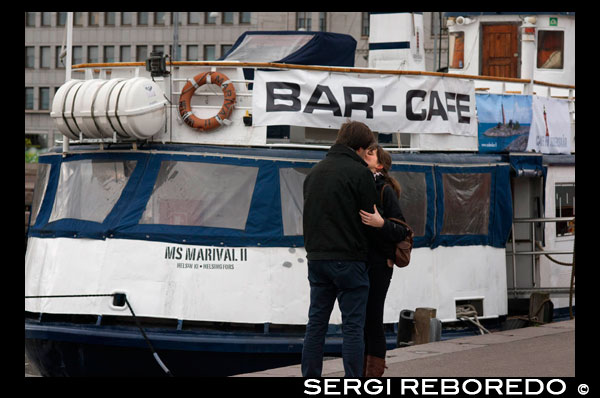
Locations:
(201, 194)
(39, 190)
(88, 189)
(291, 181)
(413, 199)
(466, 203)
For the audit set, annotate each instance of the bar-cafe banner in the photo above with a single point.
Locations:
(403, 103)
(523, 123)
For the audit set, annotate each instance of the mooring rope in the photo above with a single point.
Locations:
(137, 322)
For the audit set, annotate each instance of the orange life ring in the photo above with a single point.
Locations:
(185, 101)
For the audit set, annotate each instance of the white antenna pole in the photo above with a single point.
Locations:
(69, 45)
(68, 66)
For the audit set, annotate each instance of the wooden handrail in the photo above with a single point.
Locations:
(324, 68)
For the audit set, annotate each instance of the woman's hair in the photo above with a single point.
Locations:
(386, 161)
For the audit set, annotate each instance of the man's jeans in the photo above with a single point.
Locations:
(348, 281)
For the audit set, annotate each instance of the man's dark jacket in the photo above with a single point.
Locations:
(335, 190)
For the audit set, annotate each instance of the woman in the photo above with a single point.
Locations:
(381, 256)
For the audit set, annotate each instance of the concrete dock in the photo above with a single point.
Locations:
(541, 351)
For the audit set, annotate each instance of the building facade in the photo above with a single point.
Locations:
(131, 36)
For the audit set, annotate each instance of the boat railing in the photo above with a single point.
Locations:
(536, 251)
(505, 84)
(181, 71)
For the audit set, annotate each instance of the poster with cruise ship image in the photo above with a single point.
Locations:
(504, 122)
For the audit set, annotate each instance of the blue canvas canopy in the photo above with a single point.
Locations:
(294, 47)
(253, 196)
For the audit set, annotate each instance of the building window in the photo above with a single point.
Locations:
(160, 18)
(77, 55)
(364, 28)
(125, 53)
(109, 54)
(126, 18)
(142, 18)
(193, 18)
(141, 53)
(457, 50)
(210, 18)
(158, 47)
(77, 19)
(60, 62)
(61, 18)
(28, 97)
(179, 18)
(30, 57)
(92, 54)
(30, 19)
(110, 18)
(192, 53)
(245, 17)
(45, 57)
(323, 21)
(176, 57)
(303, 21)
(46, 18)
(93, 18)
(227, 18)
(225, 48)
(550, 49)
(209, 52)
(565, 207)
(44, 98)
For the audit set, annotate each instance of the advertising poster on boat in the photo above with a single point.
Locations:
(504, 122)
(550, 126)
(396, 103)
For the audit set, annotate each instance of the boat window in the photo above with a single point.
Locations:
(88, 189)
(39, 190)
(291, 182)
(550, 49)
(457, 50)
(201, 194)
(466, 203)
(413, 199)
(565, 207)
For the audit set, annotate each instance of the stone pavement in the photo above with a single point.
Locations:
(541, 351)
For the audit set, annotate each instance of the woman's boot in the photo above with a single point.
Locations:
(375, 366)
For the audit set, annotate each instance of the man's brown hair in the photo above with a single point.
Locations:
(355, 135)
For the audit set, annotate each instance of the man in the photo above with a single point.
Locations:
(337, 244)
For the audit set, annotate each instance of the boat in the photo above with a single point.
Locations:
(166, 233)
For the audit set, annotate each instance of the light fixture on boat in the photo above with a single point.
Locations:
(530, 20)
(463, 21)
(156, 64)
(247, 119)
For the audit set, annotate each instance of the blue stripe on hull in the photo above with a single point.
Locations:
(395, 45)
(62, 349)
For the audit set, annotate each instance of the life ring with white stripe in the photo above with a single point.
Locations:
(185, 101)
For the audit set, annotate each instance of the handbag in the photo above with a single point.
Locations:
(403, 248)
